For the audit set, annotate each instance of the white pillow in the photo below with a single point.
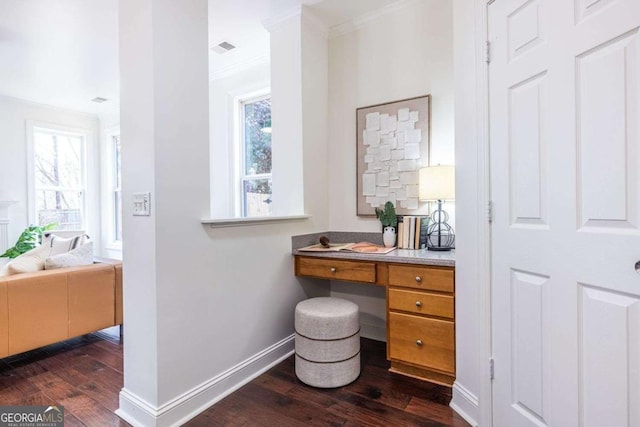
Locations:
(60, 245)
(82, 255)
(30, 261)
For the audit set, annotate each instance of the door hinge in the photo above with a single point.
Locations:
(490, 211)
(488, 52)
(491, 369)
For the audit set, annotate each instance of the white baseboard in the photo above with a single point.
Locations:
(139, 413)
(374, 332)
(465, 404)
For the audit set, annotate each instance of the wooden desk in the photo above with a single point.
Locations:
(420, 304)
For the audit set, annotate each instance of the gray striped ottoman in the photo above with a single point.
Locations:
(327, 342)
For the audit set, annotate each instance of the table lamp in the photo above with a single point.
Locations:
(437, 183)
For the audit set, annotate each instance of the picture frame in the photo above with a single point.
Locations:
(393, 142)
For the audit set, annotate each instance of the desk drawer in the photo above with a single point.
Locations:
(420, 277)
(422, 341)
(352, 271)
(421, 303)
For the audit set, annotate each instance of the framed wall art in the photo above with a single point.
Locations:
(393, 142)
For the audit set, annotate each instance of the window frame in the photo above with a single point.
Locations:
(110, 189)
(85, 135)
(240, 151)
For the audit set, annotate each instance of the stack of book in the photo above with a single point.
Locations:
(412, 232)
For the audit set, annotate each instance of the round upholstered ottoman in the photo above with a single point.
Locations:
(327, 342)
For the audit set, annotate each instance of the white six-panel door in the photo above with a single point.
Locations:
(565, 183)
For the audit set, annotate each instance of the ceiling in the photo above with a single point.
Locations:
(65, 52)
(60, 52)
(240, 23)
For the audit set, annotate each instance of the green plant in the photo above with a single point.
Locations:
(29, 239)
(387, 216)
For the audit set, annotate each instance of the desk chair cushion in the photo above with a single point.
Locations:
(327, 318)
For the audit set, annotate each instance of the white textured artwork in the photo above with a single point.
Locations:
(392, 147)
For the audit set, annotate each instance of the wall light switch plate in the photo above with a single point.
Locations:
(141, 204)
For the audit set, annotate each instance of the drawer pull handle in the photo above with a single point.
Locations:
(418, 279)
(333, 269)
(419, 343)
(418, 304)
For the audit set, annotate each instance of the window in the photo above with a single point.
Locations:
(111, 191)
(116, 192)
(255, 152)
(58, 175)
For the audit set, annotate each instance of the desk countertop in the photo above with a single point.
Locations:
(400, 256)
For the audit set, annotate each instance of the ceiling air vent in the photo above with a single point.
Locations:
(99, 99)
(223, 47)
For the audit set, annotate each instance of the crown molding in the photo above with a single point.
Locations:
(274, 22)
(369, 18)
(304, 13)
(238, 66)
(311, 21)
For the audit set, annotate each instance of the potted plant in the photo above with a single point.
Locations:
(29, 239)
(389, 220)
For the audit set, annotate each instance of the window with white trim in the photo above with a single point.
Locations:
(58, 177)
(115, 191)
(255, 185)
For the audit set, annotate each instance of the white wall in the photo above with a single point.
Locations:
(469, 253)
(222, 94)
(400, 55)
(198, 301)
(286, 115)
(13, 159)
(315, 168)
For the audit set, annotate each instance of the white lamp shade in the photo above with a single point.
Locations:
(437, 183)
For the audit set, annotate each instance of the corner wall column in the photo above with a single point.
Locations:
(164, 117)
(300, 109)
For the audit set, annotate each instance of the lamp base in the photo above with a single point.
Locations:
(440, 235)
(439, 249)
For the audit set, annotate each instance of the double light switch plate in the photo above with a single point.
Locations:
(142, 204)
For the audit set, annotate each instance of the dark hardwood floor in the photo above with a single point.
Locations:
(85, 376)
(82, 374)
(376, 398)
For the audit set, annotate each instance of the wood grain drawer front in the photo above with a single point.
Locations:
(421, 303)
(422, 341)
(353, 271)
(429, 278)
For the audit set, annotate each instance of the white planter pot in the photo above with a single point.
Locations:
(389, 237)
